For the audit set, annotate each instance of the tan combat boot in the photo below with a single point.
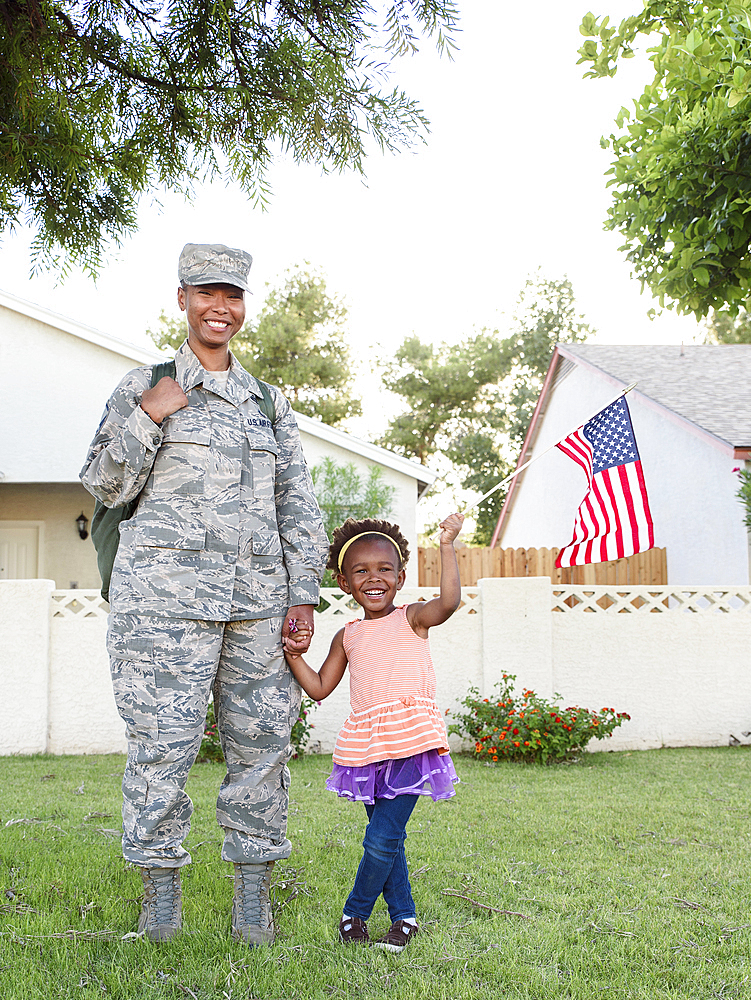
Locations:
(161, 911)
(251, 907)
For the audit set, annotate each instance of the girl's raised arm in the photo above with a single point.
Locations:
(425, 615)
(319, 685)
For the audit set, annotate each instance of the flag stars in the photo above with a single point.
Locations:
(611, 437)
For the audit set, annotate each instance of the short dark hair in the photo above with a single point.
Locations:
(367, 526)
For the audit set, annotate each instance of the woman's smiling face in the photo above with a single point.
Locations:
(215, 313)
(371, 573)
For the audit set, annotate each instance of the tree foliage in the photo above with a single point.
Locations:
(473, 401)
(477, 458)
(724, 328)
(444, 384)
(681, 176)
(101, 102)
(343, 491)
(297, 343)
(486, 380)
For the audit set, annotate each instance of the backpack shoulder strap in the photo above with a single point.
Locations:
(164, 368)
(267, 404)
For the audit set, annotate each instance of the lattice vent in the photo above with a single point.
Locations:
(654, 600)
(79, 604)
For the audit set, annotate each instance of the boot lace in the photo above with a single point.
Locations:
(162, 896)
(252, 894)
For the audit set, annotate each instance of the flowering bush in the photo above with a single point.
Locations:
(301, 729)
(529, 728)
(211, 747)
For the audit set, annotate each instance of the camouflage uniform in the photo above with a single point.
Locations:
(227, 536)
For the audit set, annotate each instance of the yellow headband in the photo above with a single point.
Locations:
(362, 535)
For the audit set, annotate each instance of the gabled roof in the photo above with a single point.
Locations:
(144, 356)
(372, 452)
(710, 385)
(704, 387)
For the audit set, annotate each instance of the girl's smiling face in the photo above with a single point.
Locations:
(371, 573)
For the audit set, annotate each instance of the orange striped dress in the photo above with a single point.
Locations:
(392, 690)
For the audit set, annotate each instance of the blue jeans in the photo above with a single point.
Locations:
(383, 868)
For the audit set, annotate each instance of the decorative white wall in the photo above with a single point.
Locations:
(675, 658)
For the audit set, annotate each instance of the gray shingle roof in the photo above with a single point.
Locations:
(709, 385)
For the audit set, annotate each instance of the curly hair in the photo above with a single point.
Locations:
(351, 527)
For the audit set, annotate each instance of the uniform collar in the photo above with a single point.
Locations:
(190, 373)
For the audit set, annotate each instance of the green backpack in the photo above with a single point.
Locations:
(105, 524)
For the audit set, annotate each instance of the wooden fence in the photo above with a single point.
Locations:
(649, 567)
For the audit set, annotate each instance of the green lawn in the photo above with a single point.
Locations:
(627, 875)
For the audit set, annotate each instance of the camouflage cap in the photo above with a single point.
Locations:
(214, 264)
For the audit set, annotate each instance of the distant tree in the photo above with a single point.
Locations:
(448, 384)
(681, 177)
(103, 102)
(343, 491)
(724, 328)
(545, 315)
(473, 401)
(485, 381)
(298, 343)
(480, 466)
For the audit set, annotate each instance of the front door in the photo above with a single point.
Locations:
(19, 552)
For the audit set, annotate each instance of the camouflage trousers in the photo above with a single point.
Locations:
(163, 670)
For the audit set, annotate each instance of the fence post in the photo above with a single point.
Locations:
(24, 658)
(517, 632)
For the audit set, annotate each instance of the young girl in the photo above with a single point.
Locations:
(393, 747)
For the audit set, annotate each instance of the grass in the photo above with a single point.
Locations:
(626, 875)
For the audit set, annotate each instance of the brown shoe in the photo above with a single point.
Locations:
(352, 930)
(161, 911)
(252, 921)
(398, 937)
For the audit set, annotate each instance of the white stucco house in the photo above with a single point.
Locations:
(58, 374)
(691, 412)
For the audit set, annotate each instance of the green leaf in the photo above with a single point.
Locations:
(701, 274)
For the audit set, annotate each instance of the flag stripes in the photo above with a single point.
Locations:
(613, 519)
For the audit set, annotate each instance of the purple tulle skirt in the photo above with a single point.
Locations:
(426, 773)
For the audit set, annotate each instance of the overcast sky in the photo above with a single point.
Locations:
(441, 239)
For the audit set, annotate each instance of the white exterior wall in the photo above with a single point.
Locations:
(49, 440)
(690, 484)
(65, 557)
(676, 659)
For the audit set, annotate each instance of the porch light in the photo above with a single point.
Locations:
(81, 522)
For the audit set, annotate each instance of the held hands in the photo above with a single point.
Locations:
(298, 642)
(164, 399)
(297, 630)
(451, 526)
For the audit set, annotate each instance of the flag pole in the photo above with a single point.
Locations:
(521, 468)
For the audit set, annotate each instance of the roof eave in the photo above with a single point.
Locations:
(529, 440)
(424, 476)
(676, 418)
(142, 355)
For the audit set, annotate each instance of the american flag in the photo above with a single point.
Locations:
(613, 519)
